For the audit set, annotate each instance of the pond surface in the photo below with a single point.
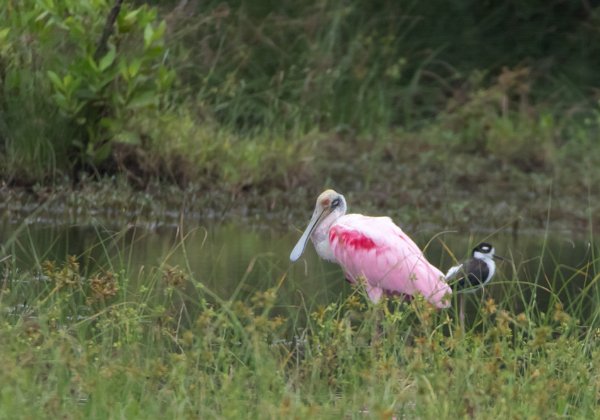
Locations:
(237, 259)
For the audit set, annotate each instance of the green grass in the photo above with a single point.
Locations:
(122, 341)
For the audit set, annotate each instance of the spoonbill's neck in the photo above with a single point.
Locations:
(320, 236)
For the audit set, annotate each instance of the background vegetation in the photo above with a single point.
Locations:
(243, 94)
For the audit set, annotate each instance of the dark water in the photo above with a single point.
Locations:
(240, 259)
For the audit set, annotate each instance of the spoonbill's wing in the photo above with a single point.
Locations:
(378, 251)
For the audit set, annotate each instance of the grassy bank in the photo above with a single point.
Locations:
(124, 342)
(414, 179)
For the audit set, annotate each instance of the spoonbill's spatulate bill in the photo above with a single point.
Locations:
(372, 249)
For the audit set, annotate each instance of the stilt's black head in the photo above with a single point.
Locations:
(484, 248)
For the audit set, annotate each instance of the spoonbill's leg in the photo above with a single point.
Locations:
(461, 314)
(374, 292)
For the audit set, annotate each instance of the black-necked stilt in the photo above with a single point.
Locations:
(474, 273)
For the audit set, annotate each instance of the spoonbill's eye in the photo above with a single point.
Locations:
(335, 203)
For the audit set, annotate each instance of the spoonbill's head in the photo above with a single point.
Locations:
(330, 206)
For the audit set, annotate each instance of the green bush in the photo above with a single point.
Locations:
(498, 119)
(91, 73)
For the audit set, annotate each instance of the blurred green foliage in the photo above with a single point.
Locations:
(511, 79)
(367, 64)
(52, 61)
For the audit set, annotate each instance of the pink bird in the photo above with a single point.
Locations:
(371, 249)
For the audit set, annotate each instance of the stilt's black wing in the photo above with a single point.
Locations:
(472, 274)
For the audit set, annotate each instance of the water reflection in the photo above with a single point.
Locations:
(232, 259)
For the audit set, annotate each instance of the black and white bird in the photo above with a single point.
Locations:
(476, 272)
(473, 274)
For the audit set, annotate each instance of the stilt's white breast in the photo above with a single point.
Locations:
(491, 265)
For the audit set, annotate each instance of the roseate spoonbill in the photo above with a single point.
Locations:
(473, 274)
(372, 249)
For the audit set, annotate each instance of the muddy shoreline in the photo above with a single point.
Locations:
(489, 207)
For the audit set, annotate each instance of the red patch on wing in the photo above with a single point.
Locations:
(351, 238)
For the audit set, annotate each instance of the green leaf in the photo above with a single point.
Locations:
(143, 99)
(165, 78)
(78, 144)
(4, 33)
(42, 16)
(126, 22)
(134, 67)
(128, 136)
(124, 71)
(67, 82)
(56, 81)
(61, 101)
(160, 31)
(132, 16)
(100, 154)
(86, 65)
(108, 59)
(148, 35)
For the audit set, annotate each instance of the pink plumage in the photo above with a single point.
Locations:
(372, 249)
(378, 251)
